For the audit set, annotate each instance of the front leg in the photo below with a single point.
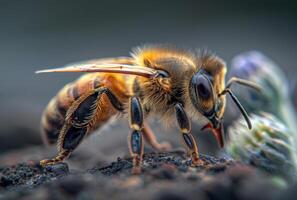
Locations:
(135, 139)
(185, 128)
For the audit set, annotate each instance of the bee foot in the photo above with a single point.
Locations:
(46, 162)
(197, 162)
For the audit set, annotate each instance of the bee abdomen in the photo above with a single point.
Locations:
(53, 119)
(54, 115)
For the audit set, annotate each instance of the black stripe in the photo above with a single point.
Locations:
(51, 135)
(60, 108)
(74, 92)
(55, 121)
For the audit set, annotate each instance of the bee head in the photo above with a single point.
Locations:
(207, 102)
(202, 94)
(208, 95)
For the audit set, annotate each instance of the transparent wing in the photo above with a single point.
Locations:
(116, 60)
(110, 65)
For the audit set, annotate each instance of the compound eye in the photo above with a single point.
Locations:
(203, 87)
(202, 94)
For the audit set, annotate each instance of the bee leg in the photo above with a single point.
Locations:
(150, 137)
(79, 120)
(185, 128)
(69, 139)
(135, 138)
(243, 82)
(59, 158)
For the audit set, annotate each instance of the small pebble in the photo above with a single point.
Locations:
(60, 169)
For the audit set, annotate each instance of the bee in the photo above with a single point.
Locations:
(154, 81)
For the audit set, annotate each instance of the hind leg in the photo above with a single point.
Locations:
(79, 121)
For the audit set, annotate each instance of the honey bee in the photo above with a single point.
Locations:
(154, 81)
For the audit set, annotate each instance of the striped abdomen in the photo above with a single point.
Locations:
(53, 117)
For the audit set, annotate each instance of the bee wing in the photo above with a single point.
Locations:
(106, 67)
(117, 60)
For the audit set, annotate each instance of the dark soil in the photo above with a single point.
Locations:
(164, 176)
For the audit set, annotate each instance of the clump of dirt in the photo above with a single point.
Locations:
(30, 175)
(164, 176)
(175, 160)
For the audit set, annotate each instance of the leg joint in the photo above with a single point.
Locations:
(112, 98)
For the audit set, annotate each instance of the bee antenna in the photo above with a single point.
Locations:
(238, 104)
(244, 82)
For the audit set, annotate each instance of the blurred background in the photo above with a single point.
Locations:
(42, 34)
